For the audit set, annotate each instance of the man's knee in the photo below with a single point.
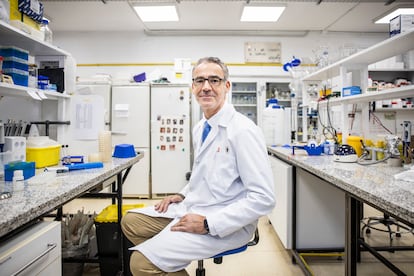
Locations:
(140, 265)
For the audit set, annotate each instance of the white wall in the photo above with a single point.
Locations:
(136, 47)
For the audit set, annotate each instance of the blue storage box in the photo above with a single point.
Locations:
(351, 90)
(28, 169)
(11, 51)
(19, 77)
(15, 63)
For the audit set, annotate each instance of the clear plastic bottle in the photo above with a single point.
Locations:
(47, 31)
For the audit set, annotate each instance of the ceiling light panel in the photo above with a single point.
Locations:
(162, 13)
(261, 13)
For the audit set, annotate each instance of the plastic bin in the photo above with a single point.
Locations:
(28, 169)
(107, 236)
(15, 63)
(19, 77)
(12, 51)
(43, 157)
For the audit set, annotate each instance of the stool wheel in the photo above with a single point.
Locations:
(218, 260)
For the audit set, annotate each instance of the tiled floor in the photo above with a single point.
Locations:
(269, 257)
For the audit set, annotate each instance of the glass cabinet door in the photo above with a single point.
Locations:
(244, 98)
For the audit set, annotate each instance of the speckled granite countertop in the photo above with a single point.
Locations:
(374, 184)
(30, 201)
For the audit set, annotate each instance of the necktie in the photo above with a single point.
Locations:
(206, 130)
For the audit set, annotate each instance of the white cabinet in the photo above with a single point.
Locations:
(353, 70)
(35, 251)
(281, 216)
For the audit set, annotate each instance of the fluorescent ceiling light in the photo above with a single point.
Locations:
(156, 13)
(386, 19)
(261, 14)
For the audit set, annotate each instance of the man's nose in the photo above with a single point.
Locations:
(208, 84)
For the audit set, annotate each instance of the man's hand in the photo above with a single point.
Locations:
(191, 223)
(162, 206)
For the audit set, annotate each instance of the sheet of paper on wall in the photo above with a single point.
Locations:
(86, 113)
(121, 110)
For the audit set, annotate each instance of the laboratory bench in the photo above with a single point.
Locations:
(29, 203)
(321, 204)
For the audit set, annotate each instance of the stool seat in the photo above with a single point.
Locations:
(231, 251)
(218, 259)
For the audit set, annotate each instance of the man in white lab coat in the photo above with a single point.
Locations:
(230, 187)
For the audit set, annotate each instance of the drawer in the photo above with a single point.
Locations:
(35, 251)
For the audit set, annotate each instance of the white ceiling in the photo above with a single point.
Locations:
(204, 17)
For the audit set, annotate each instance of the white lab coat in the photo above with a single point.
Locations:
(231, 184)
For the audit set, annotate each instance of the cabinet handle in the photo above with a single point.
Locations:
(50, 246)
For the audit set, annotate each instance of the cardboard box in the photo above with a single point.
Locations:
(401, 24)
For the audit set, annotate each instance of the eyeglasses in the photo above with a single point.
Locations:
(213, 81)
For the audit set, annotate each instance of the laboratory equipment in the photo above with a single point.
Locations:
(406, 140)
(345, 154)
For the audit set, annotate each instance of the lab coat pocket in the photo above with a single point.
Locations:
(225, 172)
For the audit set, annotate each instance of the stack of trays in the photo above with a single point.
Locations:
(15, 64)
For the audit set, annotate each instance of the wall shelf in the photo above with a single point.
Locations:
(12, 36)
(388, 48)
(12, 90)
(392, 93)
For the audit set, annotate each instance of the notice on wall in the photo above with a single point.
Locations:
(266, 52)
(86, 115)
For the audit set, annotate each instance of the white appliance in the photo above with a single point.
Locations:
(130, 115)
(170, 137)
(89, 91)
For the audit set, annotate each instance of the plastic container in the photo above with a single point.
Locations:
(42, 82)
(45, 29)
(19, 77)
(15, 63)
(5, 157)
(274, 124)
(1, 64)
(28, 169)
(12, 51)
(124, 151)
(107, 236)
(43, 151)
(314, 150)
(105, 145)
(43, 157)
(355, 142)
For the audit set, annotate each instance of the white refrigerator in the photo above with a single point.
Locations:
(130, 115)
(170, 137)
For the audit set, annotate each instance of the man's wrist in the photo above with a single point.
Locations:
(206, 227)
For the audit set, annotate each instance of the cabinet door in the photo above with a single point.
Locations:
(36, 251)
(281, 216)
(320, 213)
